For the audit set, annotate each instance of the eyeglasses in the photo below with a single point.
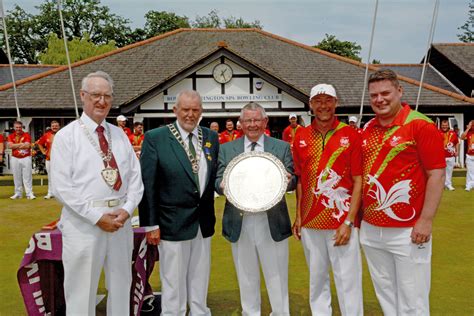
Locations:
(98, 96)
(250, 121)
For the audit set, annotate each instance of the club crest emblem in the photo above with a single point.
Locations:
(344, 142)
(395, 141)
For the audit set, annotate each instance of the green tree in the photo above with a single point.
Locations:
(239, 23)
(341, 48)
(29, 33)
(212, 20)
(159, 22)
(79, 49)
(467, 35)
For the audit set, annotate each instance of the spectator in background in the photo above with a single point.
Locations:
(122, 123)
(2, 152)
(229, 134)
(214, 127)
(20, 144)
(290, 131)
(468, 135)
(451, 150)
(45, 144)
(353, 123)
(136, 139)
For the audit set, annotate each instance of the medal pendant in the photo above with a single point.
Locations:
(195, 168)
(109, 175)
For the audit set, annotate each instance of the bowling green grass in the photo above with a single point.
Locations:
(452, 262)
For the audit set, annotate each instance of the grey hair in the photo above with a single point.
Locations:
(97, 74)
(253, 106)
(193, 94)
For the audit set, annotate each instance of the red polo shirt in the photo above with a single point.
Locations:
(325, 165)
(450, 140)
(47, 142)
(470, 142)
(227, 136)
(395, 158)
(289, 133)
(136, 140)
(18, 139)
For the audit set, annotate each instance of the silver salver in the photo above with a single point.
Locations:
(255, 181)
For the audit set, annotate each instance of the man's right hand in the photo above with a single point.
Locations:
(108, 223)
(297, 228)
(153, 237)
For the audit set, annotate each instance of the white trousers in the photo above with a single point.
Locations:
(48, 166)
(469, 172)
(86, 249)
(22, 175)
(450, 162)
(400, 269)
(256, 244)
(346, 264)
(184, 271)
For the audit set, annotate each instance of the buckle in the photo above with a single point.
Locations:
(112, 203)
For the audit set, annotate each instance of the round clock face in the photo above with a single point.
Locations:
(222, 73)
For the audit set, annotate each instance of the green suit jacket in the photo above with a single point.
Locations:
(171, 198)
(278, 218)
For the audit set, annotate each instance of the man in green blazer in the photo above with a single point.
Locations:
(179, 164)
(258, 236)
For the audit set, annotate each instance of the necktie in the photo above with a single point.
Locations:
(252, 146)
(193, 153)
(104, 146)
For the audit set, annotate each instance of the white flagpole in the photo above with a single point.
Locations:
(10, 60)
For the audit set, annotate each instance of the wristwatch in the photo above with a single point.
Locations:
(349, 223)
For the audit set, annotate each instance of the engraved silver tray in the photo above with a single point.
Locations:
(255, 181)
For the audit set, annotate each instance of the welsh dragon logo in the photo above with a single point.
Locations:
(398, 193)
(337, 197)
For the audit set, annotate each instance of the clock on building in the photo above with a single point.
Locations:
(222, 73)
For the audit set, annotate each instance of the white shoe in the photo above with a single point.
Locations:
(468, 189)
(31, 197)
(15, 197)
(48, 196)
(450, 187)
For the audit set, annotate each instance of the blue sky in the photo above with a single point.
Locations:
(401, 33)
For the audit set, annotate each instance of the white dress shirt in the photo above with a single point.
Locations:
(202, 162)
(76, 167)
(259, 147)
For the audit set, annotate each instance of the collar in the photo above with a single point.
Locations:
(399, 119)
(184, 134)
(335, 123)
(259, 142)
(90, 124)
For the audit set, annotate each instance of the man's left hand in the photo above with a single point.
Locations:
(121, 215)
(342, 235)
(421, 232)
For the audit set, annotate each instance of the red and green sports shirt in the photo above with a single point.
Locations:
(450, 140)
(470, 143)
(395, 158)
(325, 166)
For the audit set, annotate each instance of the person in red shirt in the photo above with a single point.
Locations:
(290, 131)
(403, 179)
(122, 123)
(230, 133)
(45, 144)
(451, 149)
(20, 144)
(353, 123)
(468, 135)
(2, 150)
(136, 139)
(327, 157)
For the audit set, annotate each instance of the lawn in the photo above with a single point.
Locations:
(452, 276)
